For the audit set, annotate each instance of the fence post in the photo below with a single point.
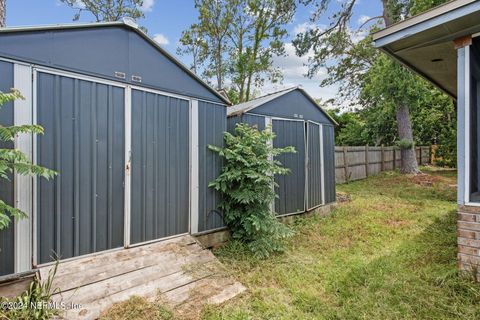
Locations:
(382, 168)
(421, 150)
(394, 166)
(345, 163)
(366, 160)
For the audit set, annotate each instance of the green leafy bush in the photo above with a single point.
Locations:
(14, 160)
(35, 303)
(246, 184)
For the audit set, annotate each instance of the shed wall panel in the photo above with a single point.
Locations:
(123, 50)
(212, 125)
(252, 120)
(293, 105)
(160, 166)
(314, 167)
(6, 186)
(291, 187)
(81, 210)
(329, 164)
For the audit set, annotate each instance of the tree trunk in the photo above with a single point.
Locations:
(3, 13)
(404, 126)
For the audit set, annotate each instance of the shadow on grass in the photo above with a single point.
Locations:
(419, 280)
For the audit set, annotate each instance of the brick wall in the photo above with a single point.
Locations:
(468, 232)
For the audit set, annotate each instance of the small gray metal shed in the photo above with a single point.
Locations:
(298, 121)
(126, 126)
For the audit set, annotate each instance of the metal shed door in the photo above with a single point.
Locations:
(160, 166)
(82, 210)
(291, 187)
(314, 166)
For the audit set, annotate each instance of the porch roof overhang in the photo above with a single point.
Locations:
(425, 44)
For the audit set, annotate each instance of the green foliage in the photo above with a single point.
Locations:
(13, 160)
(247, 186)
(405, 144)
(370, 82)
(35, 303)
(106, 10)
(388, 254)
(236, 40)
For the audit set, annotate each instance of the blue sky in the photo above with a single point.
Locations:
(165, 21)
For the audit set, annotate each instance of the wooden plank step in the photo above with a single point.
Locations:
(116, 268)
(99, 259)
(110, 286)
(147, 290)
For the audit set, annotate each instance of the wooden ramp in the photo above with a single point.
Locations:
(178, 271)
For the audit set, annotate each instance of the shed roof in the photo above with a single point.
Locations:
(127, 24)
(424, 43)
(257, 102)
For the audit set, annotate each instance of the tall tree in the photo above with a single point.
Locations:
(241, 37)
(107, 10)
(3, 13)
(358, 66)
(193, 44)
(257, 34)
(215, 17)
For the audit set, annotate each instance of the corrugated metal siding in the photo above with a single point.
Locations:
(212, 124)
(314, 167)
(291, 190)
(254, 121)
(329, 165)
(160, 166)
(232, 123)
(250, 119)
(6, 187)
(293, 105)
(80, 211)
(122, 49)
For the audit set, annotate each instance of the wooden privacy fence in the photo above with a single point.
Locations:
(355, 163)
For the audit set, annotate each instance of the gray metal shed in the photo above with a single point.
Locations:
(126, 128)
(298, 121)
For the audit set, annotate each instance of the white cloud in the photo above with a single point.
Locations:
(303, 27)
(161, 39)
(147, 5)
(363, 19)
(294, 70)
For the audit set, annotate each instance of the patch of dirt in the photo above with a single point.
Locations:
(343, 197)
(396, 223)
(425, 179)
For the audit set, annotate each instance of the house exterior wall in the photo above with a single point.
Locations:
(6, 187)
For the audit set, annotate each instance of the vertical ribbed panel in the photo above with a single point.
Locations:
(6, 187)
(254, 121)
(212, 125)
(160, 166)
(329, 164)
(81, 210)
(314, 166)
(250, 119)
(291, 187)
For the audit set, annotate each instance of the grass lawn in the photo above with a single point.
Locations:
(389, 253)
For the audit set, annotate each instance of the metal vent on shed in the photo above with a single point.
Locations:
(120, 75)
(136, 78)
